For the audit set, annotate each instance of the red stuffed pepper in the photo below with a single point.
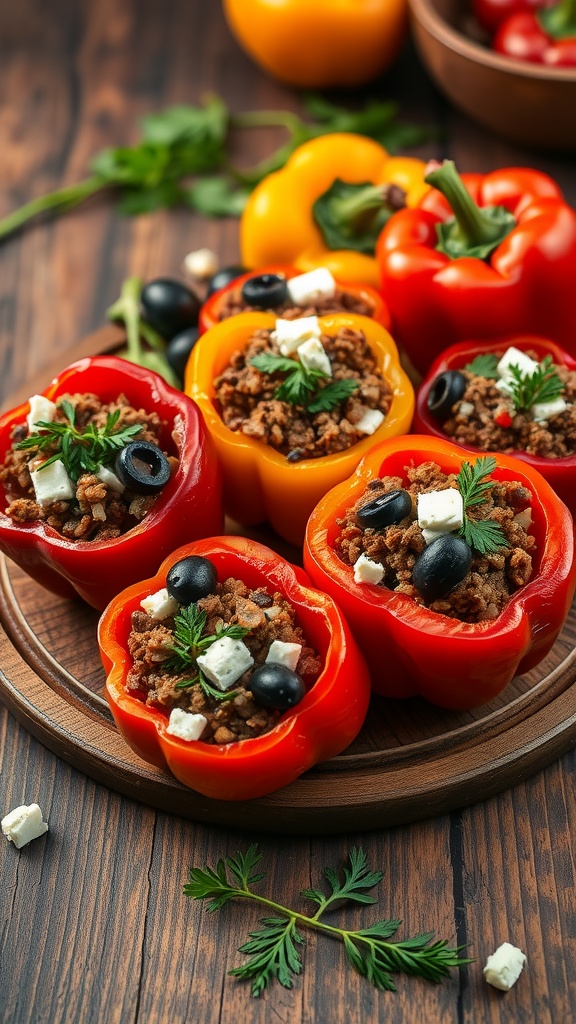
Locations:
(413, 650)
(267, 292)
(318, 726)
(495, 257)
(445, 378)
(188, 506)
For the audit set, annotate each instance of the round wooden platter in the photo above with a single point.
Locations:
(410, 761)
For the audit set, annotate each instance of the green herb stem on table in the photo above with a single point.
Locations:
(126, 309)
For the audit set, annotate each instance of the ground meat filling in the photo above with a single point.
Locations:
(267, 615)
(341, 302)
(247, 404)
(97, 512)
(472, 421)
(492, 579)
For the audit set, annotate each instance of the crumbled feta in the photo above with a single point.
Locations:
(281, 653)
(542, 411)
(369, 421)
(159, 605)
(441, 511)
(307, 288)
(52, 484)
(289, 334)
(313, 356)
(524, 518)
(431, 535)
(504, 967)
(225, 661)
(41, 408)
(24, 824)
(514, 357)
(185, 725)
(465, 409)
(367, 571)
(201, 264)
(110, 479)
(272, 613)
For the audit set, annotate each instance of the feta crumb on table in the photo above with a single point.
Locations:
(24, 824)
(504, 967)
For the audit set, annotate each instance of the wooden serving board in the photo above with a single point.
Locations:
(410, 761)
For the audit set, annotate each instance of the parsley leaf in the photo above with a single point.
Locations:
(484, 365)
(190, 641)
(526, 389)
(484, 535)
(303, 386)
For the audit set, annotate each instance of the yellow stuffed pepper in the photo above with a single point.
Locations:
(267, 478)
(327, 206)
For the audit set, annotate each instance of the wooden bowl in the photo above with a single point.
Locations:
(528, 104)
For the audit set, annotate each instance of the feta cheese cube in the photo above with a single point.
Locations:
(431, 535)
(281, 653)
(465, 409)
(289, 334)
(369, 421)
(504, 967)
(514, 357)
(110, 479)
(316, 284)
(159, 605)
(313, 356)
(542, 411)
(201, 264)
(225, 661)
(185, 725)
(24, 824)
(52, 484)
(41, 408)
(367, 571)
(442, 511)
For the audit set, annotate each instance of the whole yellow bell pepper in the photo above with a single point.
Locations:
(260, 484)
(319, 43)
(279, 226)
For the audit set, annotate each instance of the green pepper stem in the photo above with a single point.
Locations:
(63, 198)
(473, 225)
(355, 210)
(559, 21)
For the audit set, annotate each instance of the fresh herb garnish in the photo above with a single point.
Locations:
(126, 309)
(303, 386)
(273, 948)
(189, 625)
(484, 535)
(80, 451)
(543, 385)
(484, 365)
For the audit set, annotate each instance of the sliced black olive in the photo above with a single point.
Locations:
(276, 686)
(265, 291)
(142, 467)
(296, 454)
(385, 510)
(191, 578)
(223, 277)
(446, 389)
(169, 307)
(441, 567)
(179, 348)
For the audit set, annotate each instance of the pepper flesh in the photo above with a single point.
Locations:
(412, 650)
(259, 483)
(560, 473)
(210, 311)
(525, 286)
(277, 225)
(189, 506)
(325, 722)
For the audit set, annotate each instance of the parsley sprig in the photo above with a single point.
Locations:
(543, 385)
(273, 948)
(80, 451)
(484, 535)
(189, 642)
(484, 365)
(303, 386)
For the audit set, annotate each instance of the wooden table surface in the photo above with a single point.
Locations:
(93, 923)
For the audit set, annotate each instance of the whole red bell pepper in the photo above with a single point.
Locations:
(491, 13)
(412, 650)
(210, 312)
(189, 506)
(482, 256)
(325, 721)
(560, 473)
(545, 36)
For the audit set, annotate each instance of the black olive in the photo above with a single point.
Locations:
(385, 510)
(266, 291)
(142, 467)
(191, 578)
(276, 686)
(179, 348)
(441, 567)
(223, 277)
(296, 454)
(169, 307)
(446, 389)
